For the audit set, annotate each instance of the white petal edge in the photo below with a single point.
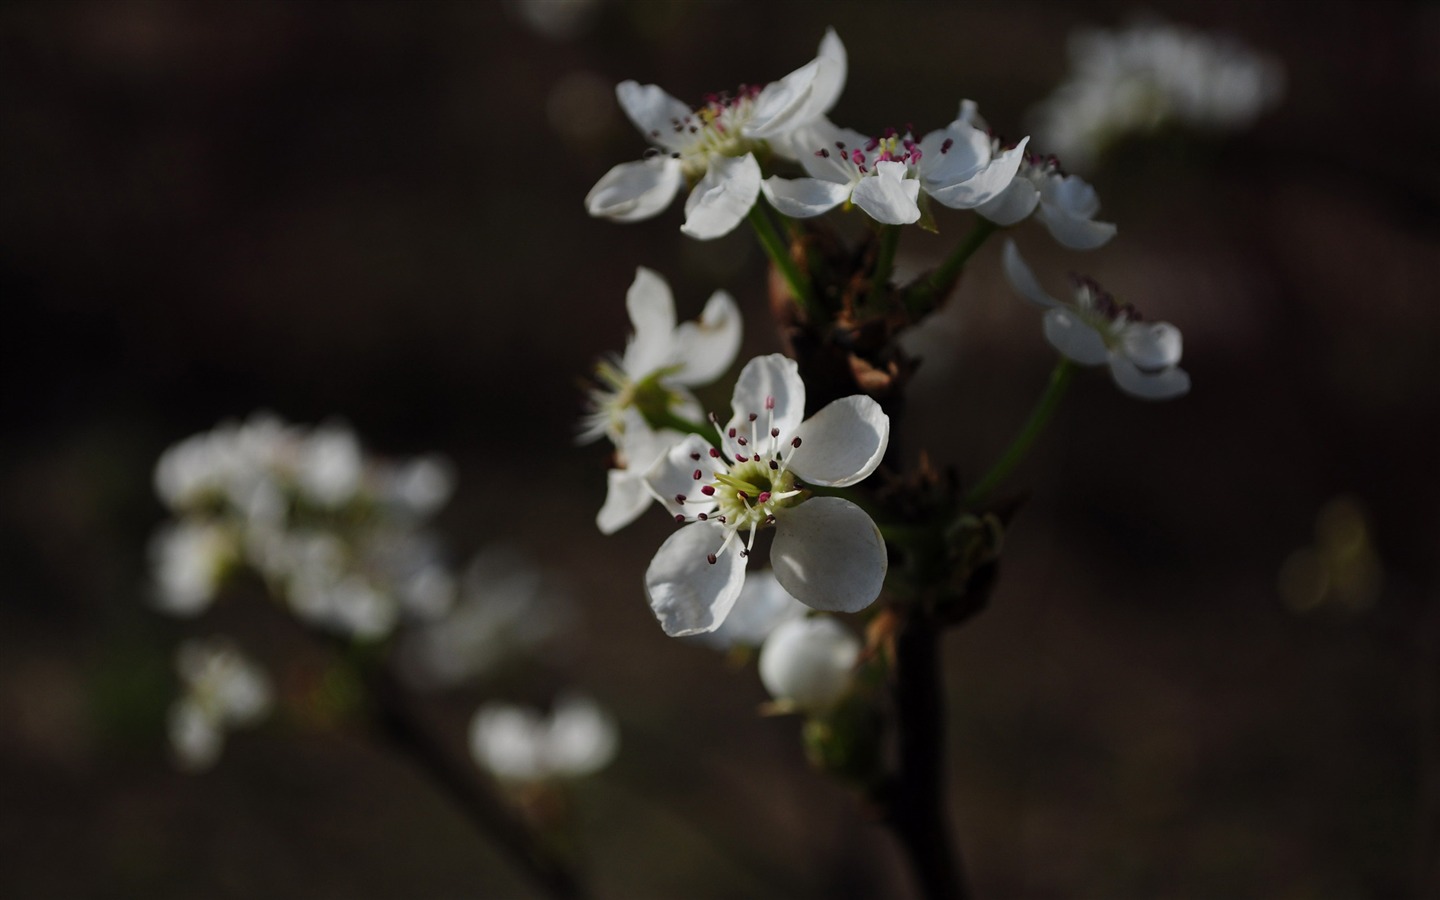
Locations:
(1152, 346)
(626, 498)
(1166, 385)
(774, 375)
(842, 443)
(803, 95)
(633, 191)
(673, 474)
(1074, 339)
(829, 555)
(1074, 232)
(653, 111)
(687, 593)
(804, 198)
(888, 196)
(652, 314)
(986, 184)
(722, 198)
(707, 347)
(1022, 279)
(1014, 203)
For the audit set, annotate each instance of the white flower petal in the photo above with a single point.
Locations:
(888, 196)
(634, 191)
(777, 376)
(1014, 203)
(829, 555)
(1165, 385)
(722, 198)
(626, 498)
(1075, 232)
(803, 198)
(985, 184)
(842, 443)
(1074, 338)
(654, 112)
(1022, 279)
(763, 604)
(1152, 346)
(706, 348)
(673, 475)
(652, 315)
(581, 739)
(803, 95)
(809, 663)
(688, 594)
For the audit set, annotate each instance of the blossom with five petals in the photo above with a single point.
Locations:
(661, 360)
(956, 165)
(1144, 357)
(827, 552)
(713, 147)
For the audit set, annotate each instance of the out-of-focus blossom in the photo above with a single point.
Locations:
(1144, 357)
(560, 20)
(222, 690)
(1150, 75)
(807, 664)
(661, 362)
(524, 745)
(188, 560)
(884, 176)
(827, 552)
(506, 611)
(337, 535)
(713, 148)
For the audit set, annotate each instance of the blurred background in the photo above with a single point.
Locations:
(1212, 665)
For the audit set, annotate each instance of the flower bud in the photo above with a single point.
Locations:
(806, 664)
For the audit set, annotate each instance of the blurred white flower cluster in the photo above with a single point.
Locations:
(523, 745)
(222, 690)
(339, 535)
(1148, 76)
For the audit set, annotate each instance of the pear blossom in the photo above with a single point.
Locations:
(1144, 357)
(807, 664)
(956, 165)
(223, 690)
(661, 361)
(827, 552)
(522, 745)
(1065, 204)
(1147, 76)
(189, 560)
(713, 148)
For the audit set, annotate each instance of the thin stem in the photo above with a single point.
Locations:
(1049, 401)
(404, 728)
(915, 799)
(884, 264)
(779, 253)
(943, 278)
(667, 418)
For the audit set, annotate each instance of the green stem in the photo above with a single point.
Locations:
(779, 253)
(884, 264)
(1049, 401)
(943, 278)
(667, 418)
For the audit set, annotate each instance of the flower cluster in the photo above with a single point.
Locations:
(222, 690)
(339, 535)
(522, 745)
(1151, 75)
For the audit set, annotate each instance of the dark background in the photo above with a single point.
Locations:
(373, 211)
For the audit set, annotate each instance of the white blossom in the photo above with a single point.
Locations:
(662, 360)
(713, 147)
(827, 552)
(522, 744)
(807, 664)
(761, 607)
(222, 690)
(1149, 75)
(884, 176)
(188, 559)
(1144, 357)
